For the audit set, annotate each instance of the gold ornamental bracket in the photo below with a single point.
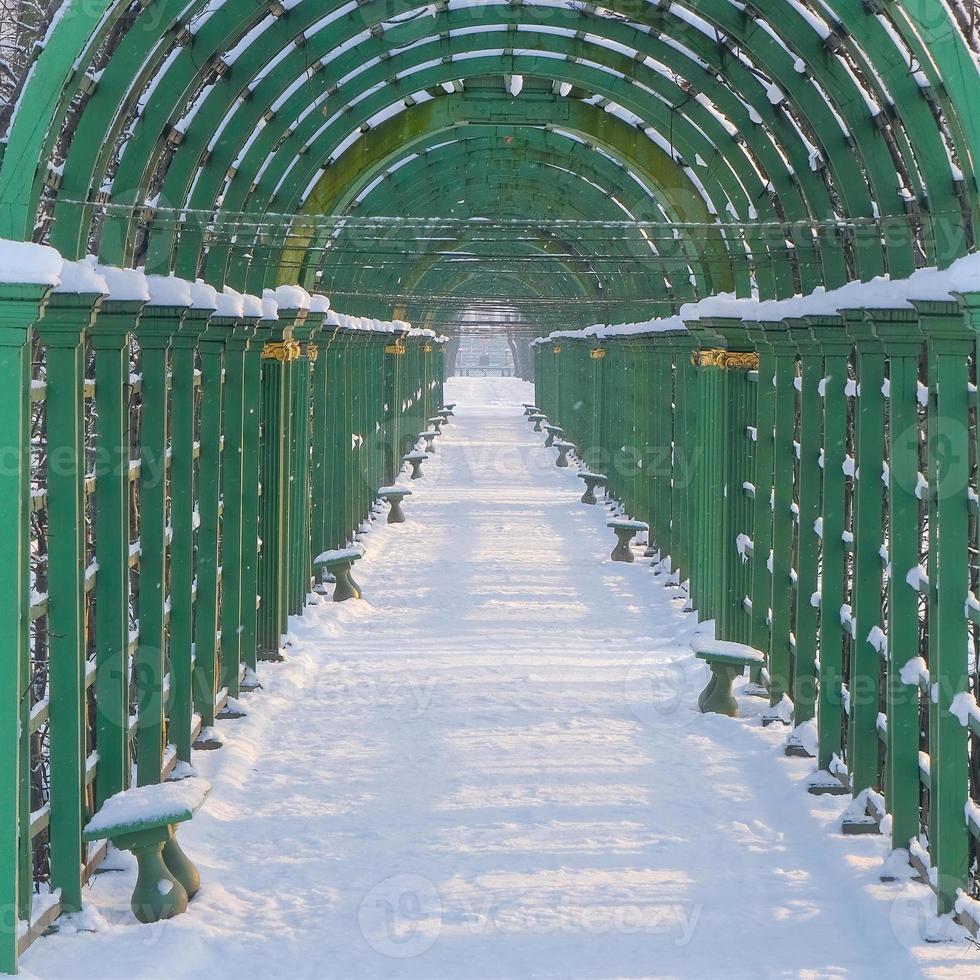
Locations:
(282, 351)
(427, 349)
(398, 350)
(556, 349)
(312, 352)
(727, 360)
(598, 354)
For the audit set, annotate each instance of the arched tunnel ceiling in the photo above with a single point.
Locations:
(574, 161)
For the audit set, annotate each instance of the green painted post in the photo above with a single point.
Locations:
(724, 433)
(762, 514)
(20, 307)
(233, 493)
(673, 350)
(335, 436)
(109, 337)
(783, 465)
(662, 394)
(949, 342)
(388, 394)
(211, 347)
(644, 432)
(319, 459)
(62, 332)
(251, 485)
(829, 334)
(277, 351)
(181, 554)
(708, 484)
(290, 424)
(808, 543)
(301, 566)
(694, 454)
(156, 328)
(353, 393)
(864, 676)
(902, 344)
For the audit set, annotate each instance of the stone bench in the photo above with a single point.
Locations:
(394, 496)
(537, 418)
(727, 661)
(437, 422)
(143, 820)
(338, 563)
(554, 432)
(415, 458)
(564, 448)
(530, 409)
(626, 530)
(430, 438)
(447, 409)
(592, 480)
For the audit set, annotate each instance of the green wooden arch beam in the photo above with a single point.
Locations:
(528, 8)
(429, 184)
(803, 171)
(623, 141)
(535, 192)
(272, 175)
(855, 33)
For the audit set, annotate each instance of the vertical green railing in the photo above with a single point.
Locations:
(816, 493)
(174, 458)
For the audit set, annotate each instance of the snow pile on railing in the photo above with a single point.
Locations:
(883, 292)
(41, 265)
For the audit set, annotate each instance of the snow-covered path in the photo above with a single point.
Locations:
(493, 767)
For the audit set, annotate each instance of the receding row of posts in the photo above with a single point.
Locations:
(811, 482)
(186, 453)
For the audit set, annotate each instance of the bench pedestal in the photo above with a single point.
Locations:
(415, 459)
(345, 587)
(159, 892)
(623, 551)
(727, 661)
(554, 432)
(338, 564)
(717, 697)
(592, 482)
(394, 497)
(181, 866)
(564, 448)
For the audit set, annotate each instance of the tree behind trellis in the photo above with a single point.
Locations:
(23, 24)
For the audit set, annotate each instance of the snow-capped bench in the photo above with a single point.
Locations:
(338, 563)
(437, 422)
(394, 497)
(416, 458)
(430, 438)
(530, 409)
(554, 432)
(447, 409)
(142, 820)
(592, 481)
(626, 530)
(564, 448)
(537, 418)
(727, 661)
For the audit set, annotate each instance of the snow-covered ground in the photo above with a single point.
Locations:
(494, 767)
